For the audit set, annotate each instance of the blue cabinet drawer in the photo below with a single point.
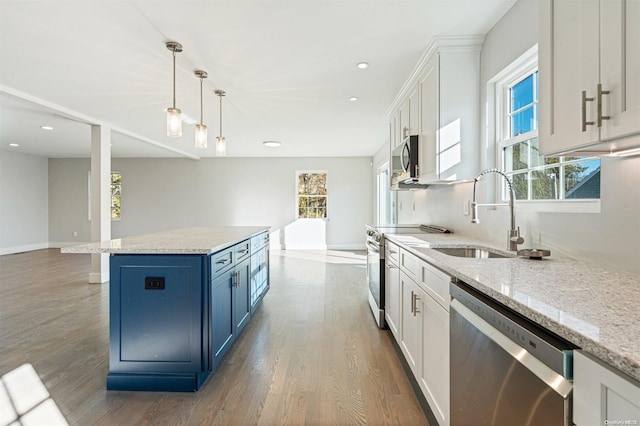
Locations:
(222, 261)
(242, 251)
(259, 241)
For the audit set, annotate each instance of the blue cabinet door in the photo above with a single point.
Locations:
(157, 324)
(242, 311)
(222, 320)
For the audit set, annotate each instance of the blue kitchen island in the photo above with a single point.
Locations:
(178, 301)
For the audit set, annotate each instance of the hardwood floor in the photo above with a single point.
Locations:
(311, 355)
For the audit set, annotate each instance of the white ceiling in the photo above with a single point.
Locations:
(288, 67)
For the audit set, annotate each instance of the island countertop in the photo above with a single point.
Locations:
(203, 240)
(593, 307)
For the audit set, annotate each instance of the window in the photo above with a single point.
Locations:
(534, 177)
(312, 195)
(116, 194)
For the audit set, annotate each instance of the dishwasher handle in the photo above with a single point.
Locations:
(555, 381)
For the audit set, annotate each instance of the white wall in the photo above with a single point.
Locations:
(23, 202)
(609, 238)
(162, 194)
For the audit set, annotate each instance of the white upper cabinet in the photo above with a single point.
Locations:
(620, 66)
(440, 102)
(428, 91)
(589, 62)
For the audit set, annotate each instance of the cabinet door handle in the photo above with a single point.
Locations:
(585, 123)
(415, 305)
(237, 275)
(600, 116)
(412, 306)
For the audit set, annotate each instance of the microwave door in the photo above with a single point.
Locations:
(405, 158)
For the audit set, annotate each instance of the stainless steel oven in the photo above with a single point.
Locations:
(505, 370)
(375, 276)
(375, 261)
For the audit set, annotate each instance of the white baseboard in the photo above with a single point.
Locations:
(23, 248)
(320, 247)
(62, 244)
(361, 246)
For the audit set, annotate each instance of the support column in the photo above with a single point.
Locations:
(100, 199)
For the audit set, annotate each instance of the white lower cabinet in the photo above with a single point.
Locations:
(434, 362)
(601, 395)
(423, 332)
(392, 297)
(411, 322)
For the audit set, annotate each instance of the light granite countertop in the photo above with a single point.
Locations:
(594, 308)
(178, 241)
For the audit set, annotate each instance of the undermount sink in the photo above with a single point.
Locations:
(472, 252)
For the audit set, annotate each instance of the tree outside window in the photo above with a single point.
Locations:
(536, 177)
(312, 195)
(116, 195)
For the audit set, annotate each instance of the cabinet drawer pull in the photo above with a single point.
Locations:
(585, 123)
(223, 261)
(600, 116)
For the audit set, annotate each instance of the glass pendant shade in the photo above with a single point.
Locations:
(221, 146)
(201, 136)
(174, 122)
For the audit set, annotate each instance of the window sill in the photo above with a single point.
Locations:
(559, 206)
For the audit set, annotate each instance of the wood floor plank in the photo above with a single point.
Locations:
(311, 355)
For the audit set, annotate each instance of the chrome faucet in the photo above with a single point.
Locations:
(513, 237)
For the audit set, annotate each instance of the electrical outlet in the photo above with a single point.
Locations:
(465, 207)
(75, 233)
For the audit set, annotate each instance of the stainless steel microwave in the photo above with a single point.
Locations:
(405, 167)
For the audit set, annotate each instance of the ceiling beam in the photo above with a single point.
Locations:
(82, 118)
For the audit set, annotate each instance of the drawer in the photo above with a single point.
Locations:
(242, 250)
(259, 241)
(391, 252)
(410, 265)
(436, 283)
(221, 261)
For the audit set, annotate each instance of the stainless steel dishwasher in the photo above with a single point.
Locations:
(505, 370)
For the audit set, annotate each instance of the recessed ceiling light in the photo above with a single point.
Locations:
(46, 127)
(362, 65)
(353, 98)
(272, 144)
(13, 144)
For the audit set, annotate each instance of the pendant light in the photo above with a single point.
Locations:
(201, 129)
(221, 144)
(174, 115)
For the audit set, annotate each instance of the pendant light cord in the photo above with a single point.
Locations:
(220, 116)
(201, 80)
(174, 79)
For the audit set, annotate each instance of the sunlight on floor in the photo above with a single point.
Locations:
(328, 256)
(25, 400)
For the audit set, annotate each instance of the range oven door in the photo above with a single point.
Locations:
(375, 281)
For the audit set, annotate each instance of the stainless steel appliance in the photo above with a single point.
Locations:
(375, 261)
(505, 370)
(405, 164)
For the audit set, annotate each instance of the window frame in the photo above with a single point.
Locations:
(498, 90)
(326, 196)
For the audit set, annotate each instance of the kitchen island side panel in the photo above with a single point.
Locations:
(158, 322)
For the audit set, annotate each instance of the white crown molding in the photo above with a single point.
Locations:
(461, 43)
